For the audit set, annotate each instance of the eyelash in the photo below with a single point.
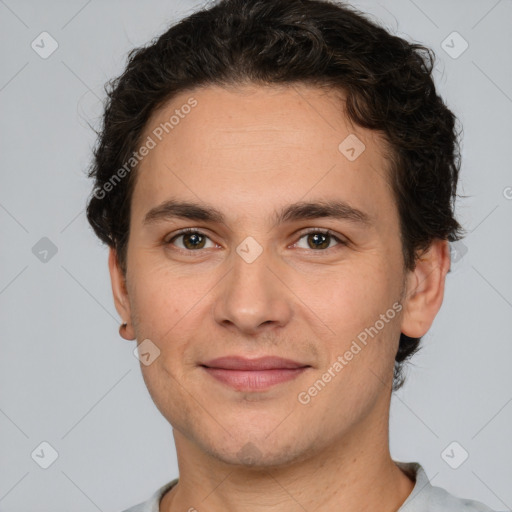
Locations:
(326, 232)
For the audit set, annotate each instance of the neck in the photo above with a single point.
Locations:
(353, 473)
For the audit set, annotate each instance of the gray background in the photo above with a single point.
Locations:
(68, 379)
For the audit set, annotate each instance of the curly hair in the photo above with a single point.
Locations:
(387, 83)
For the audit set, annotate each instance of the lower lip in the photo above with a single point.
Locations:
(254, 380)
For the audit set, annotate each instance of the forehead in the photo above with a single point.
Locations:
(260, 146)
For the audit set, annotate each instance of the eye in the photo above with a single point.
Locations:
(191, 240)
(319, 239)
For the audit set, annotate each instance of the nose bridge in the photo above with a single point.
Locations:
(251, 296)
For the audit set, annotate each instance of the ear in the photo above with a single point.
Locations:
(120, 293)
(425, 289)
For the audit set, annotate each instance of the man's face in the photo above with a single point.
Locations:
(255, 284)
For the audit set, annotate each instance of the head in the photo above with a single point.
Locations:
(259, 125)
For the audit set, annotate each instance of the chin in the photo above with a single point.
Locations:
(257, 453)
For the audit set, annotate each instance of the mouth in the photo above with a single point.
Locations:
(258, 374)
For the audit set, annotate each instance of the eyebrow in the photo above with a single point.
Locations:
(293, 212)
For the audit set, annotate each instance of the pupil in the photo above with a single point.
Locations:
(317, 238)
(194, 240)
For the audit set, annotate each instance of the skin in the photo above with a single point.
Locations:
(249, 152)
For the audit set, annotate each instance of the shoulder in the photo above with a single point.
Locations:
(424, 497)
(428, 498)
(152, 504)
(443, 500)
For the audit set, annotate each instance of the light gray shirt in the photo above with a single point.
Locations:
(423, 498)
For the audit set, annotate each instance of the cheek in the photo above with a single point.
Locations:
(362, 310)
(160, 296)
(165, 386)
(172, 311)
(352, 299)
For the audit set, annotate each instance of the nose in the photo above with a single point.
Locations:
(252, 299)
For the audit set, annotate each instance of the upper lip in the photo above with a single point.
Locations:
(260, 363)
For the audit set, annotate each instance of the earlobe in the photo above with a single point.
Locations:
(425, 289)
(120, 294)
